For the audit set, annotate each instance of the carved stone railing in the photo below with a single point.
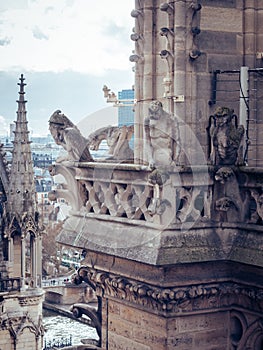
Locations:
(10, 284)
(181, 214)
(137, 193)
(179, 195)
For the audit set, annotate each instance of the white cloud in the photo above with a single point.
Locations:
(80, 35)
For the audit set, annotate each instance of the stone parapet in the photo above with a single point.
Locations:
(180, 215)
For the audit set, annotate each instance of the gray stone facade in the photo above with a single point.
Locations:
(173, 245)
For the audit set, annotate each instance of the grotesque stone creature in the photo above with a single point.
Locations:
(225, 138)
(117, 139)
(258, 196)
(66, 134)
(162, 136)
(231, 204)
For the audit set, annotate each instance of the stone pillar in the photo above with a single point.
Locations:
(23, 262)
(10, 249)
(39, 261)
(138, 59)
(34, 261)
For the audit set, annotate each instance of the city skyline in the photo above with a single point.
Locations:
(67, 51)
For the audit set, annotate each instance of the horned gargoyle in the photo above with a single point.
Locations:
(225, 138)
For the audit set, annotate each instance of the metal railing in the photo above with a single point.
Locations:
(57, 343)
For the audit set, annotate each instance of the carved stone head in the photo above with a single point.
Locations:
(60, 120)
(155, 109)
(223, 115)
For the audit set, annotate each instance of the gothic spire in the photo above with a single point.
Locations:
(21, 194)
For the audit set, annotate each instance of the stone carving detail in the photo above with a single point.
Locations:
(187, 208)
(246, 333)
(158, 205)
(26, 301)
(4, 172)
(78, 310)
(229, 203)
(15, 325)
(117, 139)
(225, 138)
(70, 190)
(162, 137)
(195, 29)
(258, 196)
(66, 134)
(117, 199)
(174, 300)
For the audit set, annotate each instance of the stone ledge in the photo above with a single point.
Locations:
(149, 244)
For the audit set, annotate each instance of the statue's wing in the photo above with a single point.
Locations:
(130, 132)
(77, 145)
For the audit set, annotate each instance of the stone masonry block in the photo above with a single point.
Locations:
(118, 342)
(131, 315)
(220, 3)
(201, 322)
(209, 42)
(149, 337)
(121, 327)
(206, 340)
(224, 62)
(221, 19)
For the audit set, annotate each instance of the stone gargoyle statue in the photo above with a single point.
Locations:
(225, 138)
(66, 134)
(117, 139)
(162, 136)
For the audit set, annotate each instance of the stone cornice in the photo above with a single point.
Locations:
(174, 300)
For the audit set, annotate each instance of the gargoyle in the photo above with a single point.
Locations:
(66, 134)
(225, 203)
(225, 138)
(162, 136)
(117, 139)
(229, 199)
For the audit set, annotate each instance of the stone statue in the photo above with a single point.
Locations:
(117, 139)
(66, 134)
(225, 138)
(162, 136)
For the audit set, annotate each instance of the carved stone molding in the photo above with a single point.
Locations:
(174, 300)
(25, 301)
(16, 324)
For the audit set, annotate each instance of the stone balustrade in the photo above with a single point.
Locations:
(186, 213)
(167, 197)
(10, 284)
(128, 192)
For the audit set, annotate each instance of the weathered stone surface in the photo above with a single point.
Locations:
(220, 3)
(209, 42)
(213, 18)
(178, 264)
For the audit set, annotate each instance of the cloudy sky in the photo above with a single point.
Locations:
(67, 50)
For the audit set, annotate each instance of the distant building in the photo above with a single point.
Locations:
(126, 107)
(126, 110)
